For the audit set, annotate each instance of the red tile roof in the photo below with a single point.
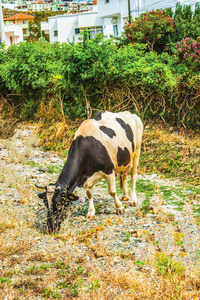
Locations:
(19, 17)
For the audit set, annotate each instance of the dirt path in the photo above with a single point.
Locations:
(161, 234)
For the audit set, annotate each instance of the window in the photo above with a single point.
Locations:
(77, 30)
(24, 22)
(92, 31)
(55, 32)
(107, 1)
(115, 30)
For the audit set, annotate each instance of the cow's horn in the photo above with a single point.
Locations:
(58, 188)
(40, 187)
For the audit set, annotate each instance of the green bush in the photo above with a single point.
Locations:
(107, 76)
(149, 27)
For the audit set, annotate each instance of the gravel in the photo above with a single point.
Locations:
(132, 235)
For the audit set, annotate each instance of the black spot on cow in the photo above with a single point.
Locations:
(110, 132)
(128, 130)
(123, 157)
(98, 116)
(86, 157)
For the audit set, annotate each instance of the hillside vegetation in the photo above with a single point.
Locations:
(106, 74)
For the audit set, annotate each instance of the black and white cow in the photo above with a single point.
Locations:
(103, 146)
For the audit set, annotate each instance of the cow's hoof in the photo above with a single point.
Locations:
(119, 212)
(133, 204)
(124, 198)
(90, 217)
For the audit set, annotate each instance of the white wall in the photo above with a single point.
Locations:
(118, 9)
(13, 32)
(109, 9)
(107, 26)
(115, 9)
(66, 25)
(52, 27)
(89, 19)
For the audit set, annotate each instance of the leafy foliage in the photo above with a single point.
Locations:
(187, 22)
(149, 27)
(53, 81)
(189, 52)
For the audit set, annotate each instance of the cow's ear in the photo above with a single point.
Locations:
(41, 195)
(72, 197)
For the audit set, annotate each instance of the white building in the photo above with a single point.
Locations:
(15, 4)
(69, 27)
(110, 18)
(118, 10)
(13, 34)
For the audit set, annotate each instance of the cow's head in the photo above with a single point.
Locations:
(57, 200)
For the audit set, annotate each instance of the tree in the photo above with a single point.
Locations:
(149, 27)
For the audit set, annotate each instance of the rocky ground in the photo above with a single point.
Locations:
(161, 236)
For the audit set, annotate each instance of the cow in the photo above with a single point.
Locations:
(102, 147)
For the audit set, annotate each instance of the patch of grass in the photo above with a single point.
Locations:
(94, 285)
(138, 262)
(156, 243)
(6, 280)
(31, 270)
(73, 288)
(9, 274)
(49, 294)
(174, 195)
(172, 150)
(51, 168)
(79, 270)
(127, 237)
(145, 187)
(196, 209)
(166, 265)
(178, 238)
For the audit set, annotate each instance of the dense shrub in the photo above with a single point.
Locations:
(149, 27)
(189, 52)
(64, 77)
(187, 22)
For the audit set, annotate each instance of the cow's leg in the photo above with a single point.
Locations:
(134, 201)
(124, 185)
(112, 192)
(89, 191)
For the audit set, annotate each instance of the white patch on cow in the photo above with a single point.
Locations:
(50, 193)
(91, 128)
(88, 185)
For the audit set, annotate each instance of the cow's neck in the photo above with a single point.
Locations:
(70, 174)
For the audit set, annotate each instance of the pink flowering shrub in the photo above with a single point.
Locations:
(189, 52)
(149, 27)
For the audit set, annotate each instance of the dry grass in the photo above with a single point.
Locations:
(39, 266)
(13, 246)
(139, 285)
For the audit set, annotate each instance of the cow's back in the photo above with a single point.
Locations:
(120, 133)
